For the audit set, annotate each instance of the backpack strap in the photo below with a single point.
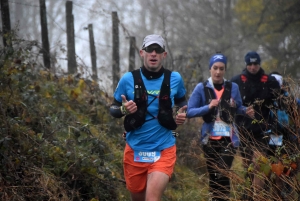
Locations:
(165, 113)
(243, 78)
(264, 78)
(227, 91)
(227, 112)
(140, 92)
(209, 95)
(137, 119)
(165, 88)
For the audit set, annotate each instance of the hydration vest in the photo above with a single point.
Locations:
(165, 113)
(248, 91)
(225, 108)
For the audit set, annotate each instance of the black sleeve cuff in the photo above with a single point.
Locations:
(114, 109)
(180, 101)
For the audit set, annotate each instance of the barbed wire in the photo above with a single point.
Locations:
(58, 25)
(25, 4)
(93, 11)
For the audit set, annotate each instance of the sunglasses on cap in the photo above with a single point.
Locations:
(254, 63)
(157, 49)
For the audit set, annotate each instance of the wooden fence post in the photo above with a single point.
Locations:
(115, 53)
(45, 39)
(93, 53)
(72, 67)
(132, 53)
(6, 29)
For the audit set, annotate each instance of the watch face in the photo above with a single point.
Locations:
(123, 110)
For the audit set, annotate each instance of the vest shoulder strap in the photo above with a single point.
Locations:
(263, 78)
(165, 115)
(227, 90)
(165, 88)
(243, 78)
(137, 76)
(167, 76)
(140, 91)
(138, 79)
(208, 92)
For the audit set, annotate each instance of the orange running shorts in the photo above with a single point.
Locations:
(136, 172)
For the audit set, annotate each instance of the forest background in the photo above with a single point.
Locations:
(194, 30)
(58, 141)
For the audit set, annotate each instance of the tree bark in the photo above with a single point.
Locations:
(72, 68)
(93, 52)
(115, 53)
(6, 28)
(45, 39)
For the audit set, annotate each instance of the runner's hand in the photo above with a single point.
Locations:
(250, 112)
(130, 106)
(213, 103)
(181, 115)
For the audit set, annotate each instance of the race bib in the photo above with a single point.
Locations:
(221, 129)
(146, 156)
(275, 140)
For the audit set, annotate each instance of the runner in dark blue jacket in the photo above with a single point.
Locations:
(257, 90)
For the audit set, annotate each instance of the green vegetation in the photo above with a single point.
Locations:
(58, 141)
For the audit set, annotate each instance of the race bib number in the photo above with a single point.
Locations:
(146, 156)
(275, 140)
(221, 129)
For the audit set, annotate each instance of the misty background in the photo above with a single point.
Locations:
(193, 29)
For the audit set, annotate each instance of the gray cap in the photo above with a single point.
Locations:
(153, 39)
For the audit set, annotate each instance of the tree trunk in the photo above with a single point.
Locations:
(6, 28)
(115, 53)
(93, 53)
(72, 68)
(45, 39)
(132, 53)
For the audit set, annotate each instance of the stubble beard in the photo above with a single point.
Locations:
(154, 68)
